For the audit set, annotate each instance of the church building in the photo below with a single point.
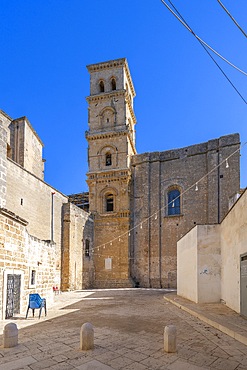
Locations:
(124, 231)
(142, 204)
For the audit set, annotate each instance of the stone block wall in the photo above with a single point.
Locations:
(77, 227)
(155, 235)
(23, 255)
(31, 198)
(3, 165)
(5, 122)
(26, 147)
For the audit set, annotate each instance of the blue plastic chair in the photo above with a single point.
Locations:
(36, 302)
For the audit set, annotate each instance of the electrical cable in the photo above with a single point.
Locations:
(227, 11)
(204, 45)
(185, 24)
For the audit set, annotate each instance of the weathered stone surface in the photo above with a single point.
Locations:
(87, 336)
(10, 335)
(170, 339)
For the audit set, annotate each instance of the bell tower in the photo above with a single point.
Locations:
(111, 143)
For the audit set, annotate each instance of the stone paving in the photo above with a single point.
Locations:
(129, 331)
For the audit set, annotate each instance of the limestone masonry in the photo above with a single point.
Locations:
(123, 232)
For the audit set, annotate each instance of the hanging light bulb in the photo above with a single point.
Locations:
(173, 204)
(227, 164)
(104, 246)
(196, 188)
(119, 239)
(155, 217)
(141, 226)
(110, 243)
(129, 233)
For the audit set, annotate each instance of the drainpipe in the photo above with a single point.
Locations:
(52, 216)
(218, 175)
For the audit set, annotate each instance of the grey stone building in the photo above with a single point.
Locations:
(144, 203)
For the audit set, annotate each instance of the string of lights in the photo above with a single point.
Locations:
(194, 186)
(234, 20)
(205, 46)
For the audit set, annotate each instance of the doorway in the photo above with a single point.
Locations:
(13, 295)
(243, 285)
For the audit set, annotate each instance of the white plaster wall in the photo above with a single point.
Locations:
(233, 243)
(208, 263)
(187, 266)
(199, 264)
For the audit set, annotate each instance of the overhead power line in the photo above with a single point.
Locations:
(185, 24)
(234, 20)
(205, 46)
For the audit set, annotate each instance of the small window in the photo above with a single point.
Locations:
(109, 203)
(32, 277)
(108, 161)
(101, 86)
(173, 202)
(87, 246)
(113, 84)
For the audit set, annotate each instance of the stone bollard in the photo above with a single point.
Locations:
(10, 335)
(170, 336)
(87, 336)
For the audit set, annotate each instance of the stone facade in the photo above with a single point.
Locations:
(32, 219)
(111, 142)
(124, 231)
(136, 238)
(77, 269)
(24, 258)
(203, 199)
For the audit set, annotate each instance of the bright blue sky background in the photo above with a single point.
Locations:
(182, 98)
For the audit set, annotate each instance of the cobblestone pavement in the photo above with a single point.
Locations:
(129, 327)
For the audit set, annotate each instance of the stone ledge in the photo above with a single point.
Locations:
(13, 216)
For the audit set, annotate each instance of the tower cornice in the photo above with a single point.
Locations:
(105, 135)
(121, 62)
(106, 96)
(110, 134)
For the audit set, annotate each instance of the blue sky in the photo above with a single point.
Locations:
(182, 98)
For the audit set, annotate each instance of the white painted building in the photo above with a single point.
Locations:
(212, 261)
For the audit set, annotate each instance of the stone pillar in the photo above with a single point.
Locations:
(170, 339)
(87, 336)
(10, 335)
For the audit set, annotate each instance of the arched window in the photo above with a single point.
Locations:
(87, 245)
(108, 161)
(101, 86)
(173, 199)
(109, 203)
(113, 84)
